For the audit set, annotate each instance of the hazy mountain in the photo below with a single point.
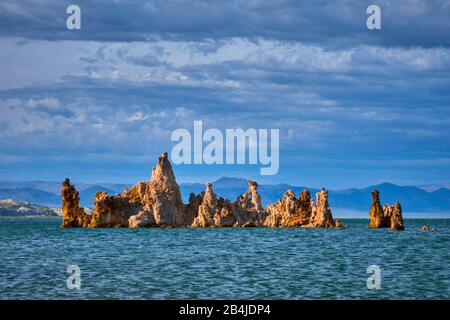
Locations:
(115, 187)
(48, 192)
(434, 187)
(87, 195)
(413, 199)
(30, 195)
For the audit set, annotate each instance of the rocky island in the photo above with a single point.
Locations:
(158, 203)
(389, 216)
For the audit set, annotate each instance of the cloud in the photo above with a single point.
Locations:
(232, 63)
(327, 23)
(240, 81)
(138, 116)
(339, 94)
(46, 104)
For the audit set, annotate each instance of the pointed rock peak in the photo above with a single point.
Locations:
(209, 196)
(305, 198)
(397, 208)
(323, 216)
(376, 195)
(252, 184)
(304, 195)
(66, 183)
(397, 217)
(163, 173)
(322, 196)
(163, 158)
(68, 190)
(208, 189)
(388, 216)
(306, 191)
(252, 195)
(72, 214)
(289, 194)
(387, 209)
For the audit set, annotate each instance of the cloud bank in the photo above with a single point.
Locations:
(354, 107)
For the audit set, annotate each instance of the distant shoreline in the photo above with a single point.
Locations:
(30, 217)
(343, 218)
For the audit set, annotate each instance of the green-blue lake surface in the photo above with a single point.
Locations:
(226, 263)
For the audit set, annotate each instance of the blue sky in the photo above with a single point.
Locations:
(354, 107)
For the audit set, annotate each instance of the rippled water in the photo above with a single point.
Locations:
(253, 263)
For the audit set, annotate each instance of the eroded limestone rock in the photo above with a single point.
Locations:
(113, 211)
(158, 203)
(143, 218)
(321, 213)
(396, 217)
(301, 212)
(247, 211)
(377, 214)
(164, 196)
(250, 200)
(338, 224)
(207, 209)
(72, 214)
(387, 217)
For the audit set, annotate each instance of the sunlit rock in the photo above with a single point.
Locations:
(387, 217)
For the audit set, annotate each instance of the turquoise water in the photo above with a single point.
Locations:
(253, 263)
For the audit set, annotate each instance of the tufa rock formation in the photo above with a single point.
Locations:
(213, 211)
(386, 217)
(158, 203)
(339, 224)
(376, 214)
(396, 217)
(153, 203)
(301, 212)
(72, 214)
(321, 213)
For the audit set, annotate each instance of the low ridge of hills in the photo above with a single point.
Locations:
(9, 207)
(413, 199)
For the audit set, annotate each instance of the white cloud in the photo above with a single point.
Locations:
(106, 97)
(193, 63)
(138, 116)
(50, 104)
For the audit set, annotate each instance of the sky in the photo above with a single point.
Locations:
(355, 107)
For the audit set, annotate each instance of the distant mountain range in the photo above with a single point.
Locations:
(48, 192)
(413, 199)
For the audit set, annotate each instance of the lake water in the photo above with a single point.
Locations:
(253, 263)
